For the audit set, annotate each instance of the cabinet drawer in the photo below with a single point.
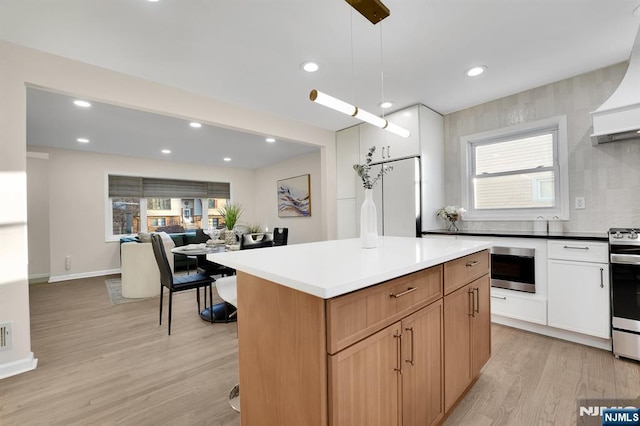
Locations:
(356, 315)
(524, 309)
(582, 251)
(464, 270)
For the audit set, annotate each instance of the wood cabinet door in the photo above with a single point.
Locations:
(422, 360)
(457, 344)
(481, 324)
(365, 381)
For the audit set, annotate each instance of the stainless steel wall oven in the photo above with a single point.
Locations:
(624, 252)
(513, 268)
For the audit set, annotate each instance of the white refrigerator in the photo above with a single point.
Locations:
(397, 199)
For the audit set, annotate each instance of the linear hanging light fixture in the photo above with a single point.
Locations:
(373, 10)
(348, 109)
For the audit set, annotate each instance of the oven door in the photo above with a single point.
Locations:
(625, 295)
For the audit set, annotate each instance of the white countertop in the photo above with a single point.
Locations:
(331, 268)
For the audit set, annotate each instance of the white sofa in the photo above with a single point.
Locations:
(140, 274)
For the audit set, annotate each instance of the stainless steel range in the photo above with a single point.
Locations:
(624, 252)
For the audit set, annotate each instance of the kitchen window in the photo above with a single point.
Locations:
(516, 173)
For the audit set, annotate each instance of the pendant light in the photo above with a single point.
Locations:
(346, 108)
(378, 12)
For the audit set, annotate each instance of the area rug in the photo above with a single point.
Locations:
(114, 288)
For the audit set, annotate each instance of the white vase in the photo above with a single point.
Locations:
(368, 221)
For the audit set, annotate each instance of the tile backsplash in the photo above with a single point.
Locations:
(607, 176)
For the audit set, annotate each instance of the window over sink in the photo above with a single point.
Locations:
(516, 173)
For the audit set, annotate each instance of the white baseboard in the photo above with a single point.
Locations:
(58, 278)
(18, 367)
(582, 339)
(38, 278)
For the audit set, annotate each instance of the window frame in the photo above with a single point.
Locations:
(108, 206)
(560, 168)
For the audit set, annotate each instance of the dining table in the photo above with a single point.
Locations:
(221, 310)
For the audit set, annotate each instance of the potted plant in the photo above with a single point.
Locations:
(231, 213)
(451, 214)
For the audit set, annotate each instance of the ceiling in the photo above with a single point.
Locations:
(54, 121)
(249, 52)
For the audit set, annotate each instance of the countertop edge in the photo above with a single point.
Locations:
(348, 287)
(524, 234)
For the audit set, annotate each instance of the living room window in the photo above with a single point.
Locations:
(138, 204)
(517, 173)
(125, 215)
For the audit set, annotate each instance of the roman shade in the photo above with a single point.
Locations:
(139, 187)
(125, 186)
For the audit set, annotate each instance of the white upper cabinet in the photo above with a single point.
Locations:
(390, 146)
(425, 141)
(347, 146)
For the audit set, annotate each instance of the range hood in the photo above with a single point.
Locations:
(619, 117)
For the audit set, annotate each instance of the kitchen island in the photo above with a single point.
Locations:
(330, 333)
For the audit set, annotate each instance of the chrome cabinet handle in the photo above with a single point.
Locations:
(410, 361)
(472, 263)
(388, 151)
(471, 303)
(383, 152)
(576, 248)
(407, 291)
(601, 277)
(499, 297)
(398, 367)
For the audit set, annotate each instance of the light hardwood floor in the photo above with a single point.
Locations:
(104, 364)
(537, 380)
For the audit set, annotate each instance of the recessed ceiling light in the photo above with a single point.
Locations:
(310, 66)
(83, 140)
(81, 103)
(195, 125)
(153, 1)
(270, 140)
(385, 104)
(227, 159)
(475, 71)
(165, 151)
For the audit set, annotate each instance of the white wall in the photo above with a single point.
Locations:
(607, 175)
(77, 192)
(301, 229)
(38, 216)
(68, 190)
(21, 66)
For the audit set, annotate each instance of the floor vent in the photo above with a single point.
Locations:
(5, 336)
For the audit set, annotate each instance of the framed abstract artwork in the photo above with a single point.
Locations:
(294, 197)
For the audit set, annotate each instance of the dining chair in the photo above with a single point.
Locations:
(181, 283)
(280, 236)
(254, 241)
(227, 288)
